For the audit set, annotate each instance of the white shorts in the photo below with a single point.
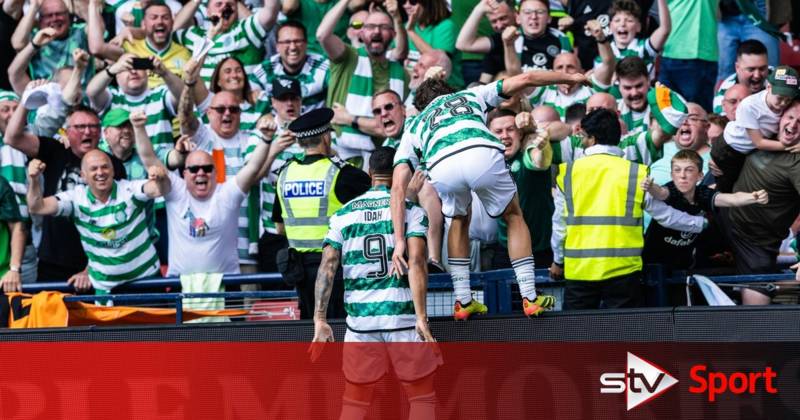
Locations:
(367, 355)
(480, 169)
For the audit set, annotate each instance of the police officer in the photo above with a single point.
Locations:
(309, 192)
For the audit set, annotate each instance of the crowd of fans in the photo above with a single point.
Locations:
(147, 136)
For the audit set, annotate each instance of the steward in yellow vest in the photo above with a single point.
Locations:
(309, 192)
(597, 225)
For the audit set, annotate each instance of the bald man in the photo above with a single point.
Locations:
(731, 100)
(109, 216)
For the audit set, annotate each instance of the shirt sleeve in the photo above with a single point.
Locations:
(253, 31)
(177, 186)
(136, 188)
(65, 202)
(416, 221)
(405, 151)
(9, 208)
(489, 93)
(671, 218)
(334, 236)
(559, 227)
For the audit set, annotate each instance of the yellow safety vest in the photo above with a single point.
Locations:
(604, 217)
(307, 202)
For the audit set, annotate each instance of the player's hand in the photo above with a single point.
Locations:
(510, 34)
(80, 281)
(525, 122)
(43, 37)
(399, 263)
(322, 334)
(11, 282)
(760, 197)
(556, 272)
(564, 23)
(35, 168)
(424, 331)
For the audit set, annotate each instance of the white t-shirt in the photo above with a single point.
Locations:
(752, 113)
(203, 234)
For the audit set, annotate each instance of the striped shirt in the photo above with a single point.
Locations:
(157, 104)
(452, 123)
(362, 230)
(234, 148)
(636, 147)
(550, 95)
(313, 78)
(13, 167)
(639, 47)
(114, 234)
(244, 40)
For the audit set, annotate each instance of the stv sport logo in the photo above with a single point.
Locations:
(642, 381)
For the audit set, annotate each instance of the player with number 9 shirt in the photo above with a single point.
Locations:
(450, 140)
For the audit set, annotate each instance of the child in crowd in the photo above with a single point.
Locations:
(755, 127)
(673, 248)
(625, 25)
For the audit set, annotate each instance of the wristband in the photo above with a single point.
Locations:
(35, 47)
(264, 139)
(108, 72)
(354, 124)
(190, 84)
(15, 268)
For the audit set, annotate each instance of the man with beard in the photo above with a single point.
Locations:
(293, 61)
(133, 94)
(229, 36)
(756, 232)
(53, 40)
(562, 96)
(428, 60)
(356, 74)
(109, 216)
(501, 14)
(631, 93)
(157, 25)
(732, 98)
(751, 72)
(60, 253)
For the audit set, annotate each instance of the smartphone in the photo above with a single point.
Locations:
(142, 64)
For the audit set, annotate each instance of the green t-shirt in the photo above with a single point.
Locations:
(535, 198)
(9, 212)
(441, 36)
(694, 30)
(341, 73)
(460, 12)
(310, 14)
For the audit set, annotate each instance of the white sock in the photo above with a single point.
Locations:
(526, 277)
(353, 410)
(422, 407)
(459, 272)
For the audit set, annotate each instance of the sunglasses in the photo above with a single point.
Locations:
(221, 109)
(196, 168)
(356, 24)
(388, 108)
(412, 2)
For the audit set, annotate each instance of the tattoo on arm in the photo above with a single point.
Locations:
(324, 284)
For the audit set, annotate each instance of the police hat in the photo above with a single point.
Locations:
(312, 123)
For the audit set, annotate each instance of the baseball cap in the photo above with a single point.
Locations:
(116, 117)
(282, 87)
(784, 81)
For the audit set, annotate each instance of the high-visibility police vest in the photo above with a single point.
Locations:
(307, 201)
(604, 217)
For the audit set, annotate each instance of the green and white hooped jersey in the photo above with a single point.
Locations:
(362, 231)
(634, 120)
(639, 47)
(452, 123)
(244, 40)
(550, 95)
(156, 104)
(637, 147)
(114, 234)
(14, 168)
(313, 78)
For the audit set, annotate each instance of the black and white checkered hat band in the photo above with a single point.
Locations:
(313, 132)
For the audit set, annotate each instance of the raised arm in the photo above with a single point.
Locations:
(96, 89)
(95, 29)
(660, 35)
(37, 204)
(400, 51)
(22, 34)
(740, 199)
(605, 71)
(157, 184)
(520, 82)
(367, 125)
(16, 137)
(188, 120)
(289, 6)
(144, 147)
(333, 46)
(72, 92)
(18, 70)
(249, 174)
(191, 74)
(510, 57)
(13, 8)
(173, 81)
(468, 39)
(268, 14)
(185, 17)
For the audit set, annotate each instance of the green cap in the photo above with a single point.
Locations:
(116, 117)
(785, 81)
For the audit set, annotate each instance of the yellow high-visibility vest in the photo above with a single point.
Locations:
(603, 210)
(307, 202)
